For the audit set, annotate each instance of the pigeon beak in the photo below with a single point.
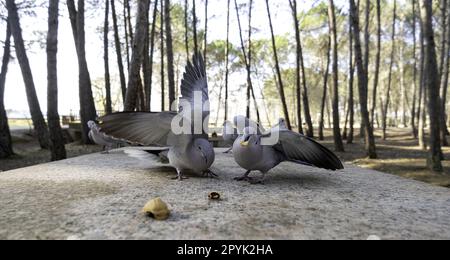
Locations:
(244, 144)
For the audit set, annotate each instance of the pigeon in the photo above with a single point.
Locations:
(281, 125)
(231, 132)
(252, 154)
(186, 151)
(100, 138)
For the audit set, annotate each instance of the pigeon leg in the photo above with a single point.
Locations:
(106, 149)
(228, 151)
(245, 177)
(258, 181)
(180, 176)
(209, 174)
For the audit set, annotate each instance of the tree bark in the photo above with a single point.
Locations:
(6, 147)
(227, 60)
(432, 85)
(35, 110)
(362, 84)
(391, 66)
(87, 106)
(444, 79)
(351, 99)
(377, 65)
(423, 91)
(127, 39)
(137, 55)
(194, 26)
(338, 144)
(278, 70)
(170, 59)
(414, 102)
(205, 52)
(123, 84)
(186, 28)
(149, 72)
(57, 143)
(108, 107)
(247, 66)
(162, 49)
(325, 91)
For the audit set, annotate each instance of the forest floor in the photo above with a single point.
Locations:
(399, 155)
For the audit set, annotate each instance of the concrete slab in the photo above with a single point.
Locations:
(100, 197)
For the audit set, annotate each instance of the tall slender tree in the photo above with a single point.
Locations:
(6, 147)
(414, 57)
(87, 106)
(205, 40)
(432, 85)
(194, 25)
(278, 70)
(377, 65)
(35, 110)
(362, 84)
(390, 75)
(325, 91)
(422, 117)
(57, 143)
(247, 65)
(169, 45)
(186, 28)
(338, 144)
(123, 84)
(249, 55)
(227, 60)
(149, 71)
(445, 75)
(351, 99)
(108, 105)
(162, 50)
(137, 56)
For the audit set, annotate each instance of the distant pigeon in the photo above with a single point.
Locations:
(102, 139)
(190, 152)
(251, 154)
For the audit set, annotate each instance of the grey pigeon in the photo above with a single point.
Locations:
(186, 151)
(250, 153)
(231, 132)
(102, 139)
(281, 125)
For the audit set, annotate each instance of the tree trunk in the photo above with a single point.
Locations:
(362, 84)
(206, 33)
(422, 95)
(129, 27)
(194, 27)
(227, 60)
(351, 99)
(127, 40)
(170, 59)
(444, 79)
(36, 115)
(391, 66)
(149, 68)
(403, 94)
(247, 65)
(186, 28)
(367, 37)
(87, 106)
(108, 107)
(325, 91)
(6, 148)
(377, 65)
(338, 144)
(249, 57)
(123, 84)
(432, 85)
(163, 76)
(278, 70)
(293, 4)
(58, 150)
(137, 55)
(414, 102)
(443, 37)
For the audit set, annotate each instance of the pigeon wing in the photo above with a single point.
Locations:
(148, 129)
(298, 148)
